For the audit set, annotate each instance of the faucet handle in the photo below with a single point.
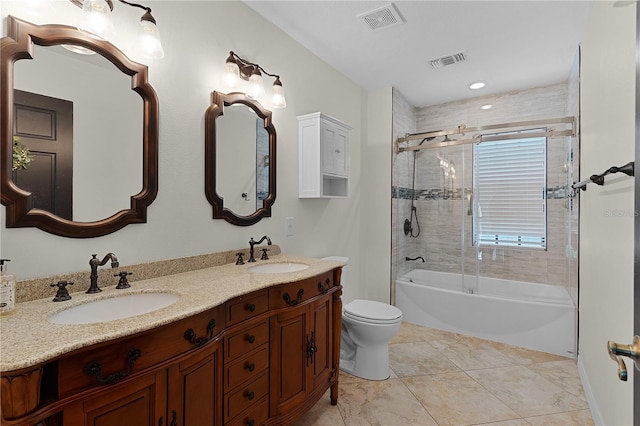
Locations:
(264, 254)
(240, 261)
(63, 293)
(123, 282)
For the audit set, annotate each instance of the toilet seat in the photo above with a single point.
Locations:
(372, 312)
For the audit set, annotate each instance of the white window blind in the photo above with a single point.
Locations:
(509, 179)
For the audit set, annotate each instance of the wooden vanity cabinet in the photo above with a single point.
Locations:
(305, 344)
(183, 389)
(261, 358)
(184, 393)
(139, 401)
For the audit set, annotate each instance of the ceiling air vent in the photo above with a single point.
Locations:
(383, 17)
(449, 60)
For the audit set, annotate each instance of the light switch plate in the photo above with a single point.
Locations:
(289, 231)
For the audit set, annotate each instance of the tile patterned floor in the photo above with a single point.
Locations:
(446, 379)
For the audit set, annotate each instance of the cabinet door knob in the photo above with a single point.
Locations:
(251, 338)
(251, 307)
(251, 367)
(251, 422)
(250, 395)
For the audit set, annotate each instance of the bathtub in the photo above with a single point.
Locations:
(534, 316)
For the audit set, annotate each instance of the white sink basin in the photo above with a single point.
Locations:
(278, 268)
(114, 308)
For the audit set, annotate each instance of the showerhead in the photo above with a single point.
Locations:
(429, 139)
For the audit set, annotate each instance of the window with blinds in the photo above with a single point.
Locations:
(509, 179)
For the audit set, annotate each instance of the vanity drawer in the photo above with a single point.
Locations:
(291, 294)
(246, 339)
(256, 416)
(248, 306)
(113, 358)
(246, 368)
(249, 394)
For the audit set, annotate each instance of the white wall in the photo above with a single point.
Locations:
(607, 213)
(376, 196)
(197, 37)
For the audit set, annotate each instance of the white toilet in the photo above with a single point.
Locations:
(367, 327)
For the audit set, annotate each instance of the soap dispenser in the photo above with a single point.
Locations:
(7, 289)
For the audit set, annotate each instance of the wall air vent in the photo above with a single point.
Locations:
(383, 17)
(449, 60)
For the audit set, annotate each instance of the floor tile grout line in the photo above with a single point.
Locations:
(521, 417)
(418, 399)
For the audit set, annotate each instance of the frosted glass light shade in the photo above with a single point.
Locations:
(96, 19)
(231, 74)
(277, 96)
(149, 39)
(256, 89)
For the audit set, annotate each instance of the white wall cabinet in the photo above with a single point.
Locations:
(323, 156)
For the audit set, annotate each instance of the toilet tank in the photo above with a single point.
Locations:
(343, 278)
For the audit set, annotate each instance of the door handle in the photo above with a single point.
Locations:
(617, 351)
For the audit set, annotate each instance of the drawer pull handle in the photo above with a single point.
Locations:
(251, 367)
(290, 302)
(95, 369)
(251, 307)
(251, 338)
(251, 422)
(324, 289)
(190, 335)
(250, 395)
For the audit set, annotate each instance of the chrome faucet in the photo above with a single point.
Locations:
(414, 258)
(253, 243)
(94, 263)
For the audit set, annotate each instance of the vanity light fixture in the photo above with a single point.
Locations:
(96, 19)
(236, 68)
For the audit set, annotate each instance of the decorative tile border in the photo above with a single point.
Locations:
(553, 193)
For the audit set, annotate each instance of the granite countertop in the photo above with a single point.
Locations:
(27, 338)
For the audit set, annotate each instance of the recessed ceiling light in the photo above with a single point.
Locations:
(487, 106)
(477, 85)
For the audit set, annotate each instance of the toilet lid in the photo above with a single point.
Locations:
(372, 311)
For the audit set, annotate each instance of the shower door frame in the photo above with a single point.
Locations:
(636, 244)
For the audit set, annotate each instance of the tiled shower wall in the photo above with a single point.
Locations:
(404, 121)
(443, 204)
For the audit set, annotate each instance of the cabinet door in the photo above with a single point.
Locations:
(328, 136)
(341, 152)
(335, 149)
(137, 402)
(289, 360)
(322, 337)
(195, 389)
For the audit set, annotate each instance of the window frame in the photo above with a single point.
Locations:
(529, 242)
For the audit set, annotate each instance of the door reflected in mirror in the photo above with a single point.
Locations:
(85, 168)
(240, 159)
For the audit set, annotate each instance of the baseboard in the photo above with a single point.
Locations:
(588, 393)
